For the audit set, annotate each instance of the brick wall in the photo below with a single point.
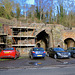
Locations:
(7, 30)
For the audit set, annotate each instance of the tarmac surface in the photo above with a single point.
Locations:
(36, 63)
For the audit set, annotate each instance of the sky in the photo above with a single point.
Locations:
(30, 1)
(21, 2)
(66, 6)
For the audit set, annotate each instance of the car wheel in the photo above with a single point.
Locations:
(31, 57)
(15, 57)
(55, 56)
(19, 56)
(74, 55)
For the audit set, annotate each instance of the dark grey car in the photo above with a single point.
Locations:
(58, 53)
(72, 51)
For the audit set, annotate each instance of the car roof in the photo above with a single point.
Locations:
(8, 48)
(71, 47)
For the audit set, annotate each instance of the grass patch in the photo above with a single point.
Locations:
(22, 57)
(0, 25)
(4, 59)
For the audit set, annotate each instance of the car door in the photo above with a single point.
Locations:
(51, 52)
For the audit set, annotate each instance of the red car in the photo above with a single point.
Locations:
(9, 53)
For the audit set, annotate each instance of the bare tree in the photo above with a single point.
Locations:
(24, 7)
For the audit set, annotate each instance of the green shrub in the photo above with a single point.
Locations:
(0, 25)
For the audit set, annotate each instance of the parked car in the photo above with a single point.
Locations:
(9, 53)
(37, 52)
(58, 53)
(72, 51)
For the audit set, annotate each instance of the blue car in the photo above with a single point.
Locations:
(37, 52)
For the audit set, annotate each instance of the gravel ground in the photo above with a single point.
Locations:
(37, 62)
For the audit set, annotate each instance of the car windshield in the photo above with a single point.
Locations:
(8, 49)
(58, 49)
(73, 48)
(38, 49)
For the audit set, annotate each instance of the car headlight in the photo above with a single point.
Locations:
(59, 53)
(69, 53)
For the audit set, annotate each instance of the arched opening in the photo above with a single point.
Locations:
(69, 42)
(43, 39)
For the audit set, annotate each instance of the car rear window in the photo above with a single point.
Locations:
(38, 49)
(8, 49)
(58, 49)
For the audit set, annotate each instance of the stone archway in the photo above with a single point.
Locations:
(69, 42)
(43, 38)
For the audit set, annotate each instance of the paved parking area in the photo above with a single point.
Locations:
(48, 61)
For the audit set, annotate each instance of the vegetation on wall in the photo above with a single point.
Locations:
(0, 25)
